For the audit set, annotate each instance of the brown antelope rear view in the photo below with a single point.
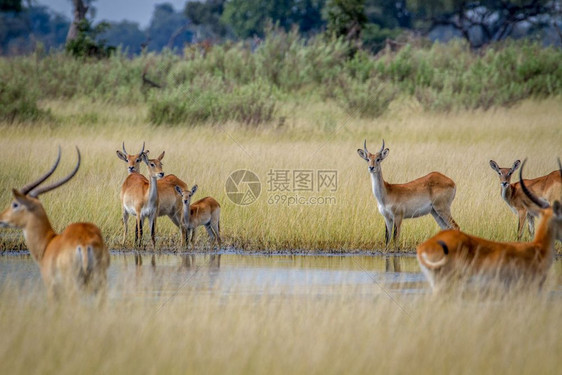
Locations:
(73, 260)
(452, 254)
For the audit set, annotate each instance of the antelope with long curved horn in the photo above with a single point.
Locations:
(75, 259)
(452, 252)
(431, 194)
(548, 187)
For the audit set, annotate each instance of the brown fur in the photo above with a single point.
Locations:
(454, 252)
(548, 187)
(57, 254)
(431, 194)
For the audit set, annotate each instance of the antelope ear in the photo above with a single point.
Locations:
(179, 190)
(515, 165)
(194, 189)
(384, 154)
(121, 156)
(495, 166)
(161, 155)
(362, 154)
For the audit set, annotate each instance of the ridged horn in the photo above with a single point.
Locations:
(531, 196)
(27, 188)
(37, 192)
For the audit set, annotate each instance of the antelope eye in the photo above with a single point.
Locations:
(15, 205)
(138, 160)
(378, 160)
(152, 164)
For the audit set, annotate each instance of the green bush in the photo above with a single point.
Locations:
(18, 102)
(211, 100)
(217, 85)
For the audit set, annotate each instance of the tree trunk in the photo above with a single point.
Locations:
(79, 14)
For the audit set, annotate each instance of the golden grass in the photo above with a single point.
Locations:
(340, 330)
(313, 136)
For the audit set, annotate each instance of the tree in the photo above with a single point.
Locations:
(168, 28)
(207, 16)
(125, 34)
(80, 9)
(10, 6)
(482, 22)
(346, 18)
(249, 17)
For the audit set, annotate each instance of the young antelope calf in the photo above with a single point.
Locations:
(205, 211)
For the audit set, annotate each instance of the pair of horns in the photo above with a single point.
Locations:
(365, 147)
(541, 203)
(30, 188)
(126, 153)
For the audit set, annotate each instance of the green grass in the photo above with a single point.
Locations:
(315, 136)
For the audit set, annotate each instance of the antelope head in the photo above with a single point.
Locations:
(154, 165)
(505, 173)
(133, 160)
(554, 212)
(26, 204)
(186, 195)
(373, 160)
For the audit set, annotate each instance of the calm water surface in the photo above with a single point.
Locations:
(147, 277)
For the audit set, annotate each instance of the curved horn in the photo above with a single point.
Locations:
(382, 148)
(125, 151)
(36, 193)
(142, 148)
(365, 147)
(27, 188)
(533, 198)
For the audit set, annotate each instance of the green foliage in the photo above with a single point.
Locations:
(249, 18)
(18, 102)
(209, 99)
(346, 18)
(87, 43)
(231, 82)
(207, 14)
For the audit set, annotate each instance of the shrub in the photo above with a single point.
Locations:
(18, 102)
(211, 100)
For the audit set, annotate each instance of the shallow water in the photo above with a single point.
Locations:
(162, 277)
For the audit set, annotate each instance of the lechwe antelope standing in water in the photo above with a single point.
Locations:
(548, 187)
(75, 259)
(205, 211)
(454, 253)
(139, 198)
(430, 194)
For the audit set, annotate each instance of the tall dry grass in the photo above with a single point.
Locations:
(313, 136)
(340, 330)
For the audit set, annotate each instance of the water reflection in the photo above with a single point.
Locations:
(146, 276)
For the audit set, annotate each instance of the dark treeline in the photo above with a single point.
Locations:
(368, 23)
